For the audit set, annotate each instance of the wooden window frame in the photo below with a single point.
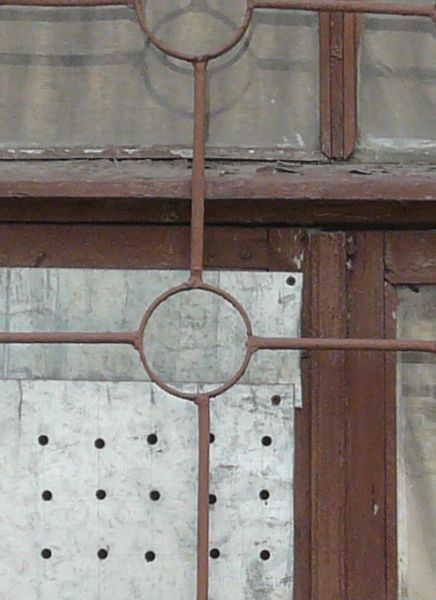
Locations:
(338, 84)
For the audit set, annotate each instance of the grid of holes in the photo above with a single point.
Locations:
(152, 440)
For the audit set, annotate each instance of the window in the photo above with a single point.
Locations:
(67, 213)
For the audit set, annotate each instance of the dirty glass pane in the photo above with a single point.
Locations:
(397, 92)
(88, 77)
(416, 413)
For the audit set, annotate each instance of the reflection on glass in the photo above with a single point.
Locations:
(397, 92)
(416, 429)
(89, 78)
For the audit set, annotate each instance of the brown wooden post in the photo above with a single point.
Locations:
(366, 440)
(328, 418)
(338, 62)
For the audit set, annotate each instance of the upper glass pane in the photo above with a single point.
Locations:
(416, 429)
(397, 110)
(89, 78)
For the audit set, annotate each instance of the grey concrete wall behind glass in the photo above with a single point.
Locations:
(88, 77)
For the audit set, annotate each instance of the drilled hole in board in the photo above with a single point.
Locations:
(264, 494)
(211, 438)
(215, 553)
(102, 554)
(291, 280)
(47, 495)
(212, 499)
(155, 495)
(276, 399)
(99, 443)
(265, 555)
(43, 440)
(150, 556)
(152, 439)
(101, 494)
(267, 440)
(46, 553)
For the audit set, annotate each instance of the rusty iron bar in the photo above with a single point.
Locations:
(254, 342)
(131, 338)
(238, 34)
(66, 3)
(198, 183)
(203, 403)
(381, 345)
(350, 6)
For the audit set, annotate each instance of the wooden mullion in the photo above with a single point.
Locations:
(338, 64)
(303, 454)
(366, 423)
(350, 84)
(327, 400)
(325, 84)
(391, 448)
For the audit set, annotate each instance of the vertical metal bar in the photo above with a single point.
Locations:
(203, 403)
(198, 185)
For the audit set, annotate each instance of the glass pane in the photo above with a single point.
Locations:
(416, 414)
(398, 88)
(89, 78)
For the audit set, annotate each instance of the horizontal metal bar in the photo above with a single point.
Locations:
(381, 345)
(350, 6)
(60, 337)
(66, 3)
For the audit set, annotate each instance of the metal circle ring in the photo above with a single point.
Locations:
(187, 287)
(192, 58)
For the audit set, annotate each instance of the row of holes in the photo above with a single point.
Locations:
(155, 495)
(150, 556)
(152, 439)
(99, 443)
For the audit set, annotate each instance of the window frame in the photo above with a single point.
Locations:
(59, 213)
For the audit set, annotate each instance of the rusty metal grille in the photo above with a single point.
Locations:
(254, 343)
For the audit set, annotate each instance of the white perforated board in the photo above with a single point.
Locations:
(73, 411)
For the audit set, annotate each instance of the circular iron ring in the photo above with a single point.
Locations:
(186, 287)
(192, 58)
